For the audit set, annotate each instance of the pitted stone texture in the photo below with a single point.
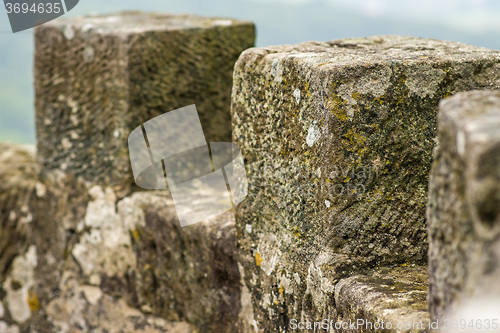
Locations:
(464, 204)
(18, 176)
(386, 300)
(99, 77)
(97, 255)
(86, 308)
(188, 273)
(338, 170)
(18, 286)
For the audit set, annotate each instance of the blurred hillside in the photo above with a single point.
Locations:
(278, 22)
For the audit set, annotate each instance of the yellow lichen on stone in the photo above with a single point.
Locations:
(356, 95)
(379, 100)
(308, 92)
(296, 232)
(336, 106)
(33, 302)
(355, 138)
(258, 259)
(136, 235)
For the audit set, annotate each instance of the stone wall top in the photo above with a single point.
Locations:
(369, 50)
(133, 22)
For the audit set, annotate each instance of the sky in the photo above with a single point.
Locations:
(477, 15)
(466, 15)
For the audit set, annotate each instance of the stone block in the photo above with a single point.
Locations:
(384, 300)
(99, 77)
(184, 273)
(337, 138)
(464, 207)
(18, 177)
(98, 255)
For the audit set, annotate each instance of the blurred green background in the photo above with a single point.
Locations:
(474, 22)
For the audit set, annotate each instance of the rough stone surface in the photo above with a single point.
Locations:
(464, 205)
(120, 265)
(99, 77)
(337, 138)
(185, 273)
(96, 256)
(86, 308)
(18, 175)
(389, 299)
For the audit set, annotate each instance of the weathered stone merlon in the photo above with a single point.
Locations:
(464, 205)
(99, 77)
(338, 138)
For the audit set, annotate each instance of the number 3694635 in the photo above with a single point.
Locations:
(40, 8)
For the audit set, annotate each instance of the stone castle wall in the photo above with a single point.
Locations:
(373, 194)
